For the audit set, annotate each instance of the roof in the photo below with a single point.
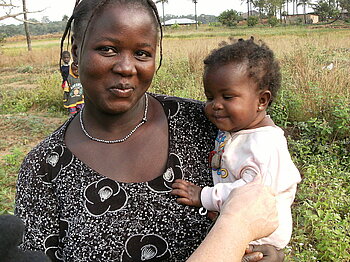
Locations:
(180, 21)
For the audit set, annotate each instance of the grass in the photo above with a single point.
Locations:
(312, 107)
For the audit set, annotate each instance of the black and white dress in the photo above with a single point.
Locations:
(73, 213)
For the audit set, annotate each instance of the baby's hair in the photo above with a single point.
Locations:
(261, 64)
(85, 10)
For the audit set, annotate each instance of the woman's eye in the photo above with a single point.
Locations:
(228, 97)
(142, 54)
(107, 50)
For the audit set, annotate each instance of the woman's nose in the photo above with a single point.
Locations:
(124, 65)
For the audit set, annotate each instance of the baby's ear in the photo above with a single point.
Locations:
(264, 99)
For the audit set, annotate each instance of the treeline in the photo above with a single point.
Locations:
(34, 29)
(202, 19)
(52, 27)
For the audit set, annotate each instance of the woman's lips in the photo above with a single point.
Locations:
(122, 90)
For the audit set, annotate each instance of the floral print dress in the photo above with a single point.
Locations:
(73, 213)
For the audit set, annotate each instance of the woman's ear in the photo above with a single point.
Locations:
(264, 100)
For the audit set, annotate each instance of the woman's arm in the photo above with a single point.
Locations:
(249, 213)
(37, 206)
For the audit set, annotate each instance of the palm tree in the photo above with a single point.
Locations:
(304, 3)
(195, 12)
(162, 1)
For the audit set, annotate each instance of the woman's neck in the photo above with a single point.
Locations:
(109, 126)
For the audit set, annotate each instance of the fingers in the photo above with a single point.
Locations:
(189, 193)
(270, 253)
(252, 257)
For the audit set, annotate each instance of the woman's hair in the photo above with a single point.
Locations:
(85, 10)
(261, 64)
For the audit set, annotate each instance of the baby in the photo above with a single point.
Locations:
(240, 82)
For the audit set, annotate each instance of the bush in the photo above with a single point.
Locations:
(272, 21)
(215, 24)
(252, 20)
(174, 26)
(230, 17)
(47, 96)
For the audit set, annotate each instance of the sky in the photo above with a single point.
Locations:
(56, 9)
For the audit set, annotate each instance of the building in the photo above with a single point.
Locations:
(295, 19)
(180, 21)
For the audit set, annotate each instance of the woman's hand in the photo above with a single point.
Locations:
(266, 253)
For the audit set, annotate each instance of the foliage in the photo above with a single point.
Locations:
(344, 4)
(272, 21)
(174, 26)
(326, 10)
(35, 29)
(252, 20)
(47, 96)
(229, 17)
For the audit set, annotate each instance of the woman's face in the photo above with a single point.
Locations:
(117, 62)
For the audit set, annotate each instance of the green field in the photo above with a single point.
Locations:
(313, 107)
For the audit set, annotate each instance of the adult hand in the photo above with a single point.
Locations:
(265, 253)
(249, 213)
(257, 208)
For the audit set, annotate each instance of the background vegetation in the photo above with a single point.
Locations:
(312, 107)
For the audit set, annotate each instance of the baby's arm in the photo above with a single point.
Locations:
(189, 193)
(213, 198)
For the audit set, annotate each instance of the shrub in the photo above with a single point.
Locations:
(230, 17)
(272, 21)
(174, 26)
(47, 96)
(252, 20)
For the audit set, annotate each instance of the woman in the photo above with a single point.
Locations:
(98, 188)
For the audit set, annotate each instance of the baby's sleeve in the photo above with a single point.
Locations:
(213, 198)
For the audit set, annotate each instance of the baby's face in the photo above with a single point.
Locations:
(232, 97)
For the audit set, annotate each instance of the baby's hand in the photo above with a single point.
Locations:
(189, 194)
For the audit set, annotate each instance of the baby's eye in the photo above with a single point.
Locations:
(209, 99)
(227, 97)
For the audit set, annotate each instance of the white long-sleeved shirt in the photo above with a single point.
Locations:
(244, 155)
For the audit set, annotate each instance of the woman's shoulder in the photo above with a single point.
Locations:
(179, 107)
(55, 139)
(174, 99)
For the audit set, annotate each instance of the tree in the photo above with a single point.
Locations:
(162, 1)
(261, 5)
(10, 11)
(25, 23)
(65, 18)
(195, 12)
(345, 4)
(304, 3)
(326, 10)
(45, 20)
(229, 17)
